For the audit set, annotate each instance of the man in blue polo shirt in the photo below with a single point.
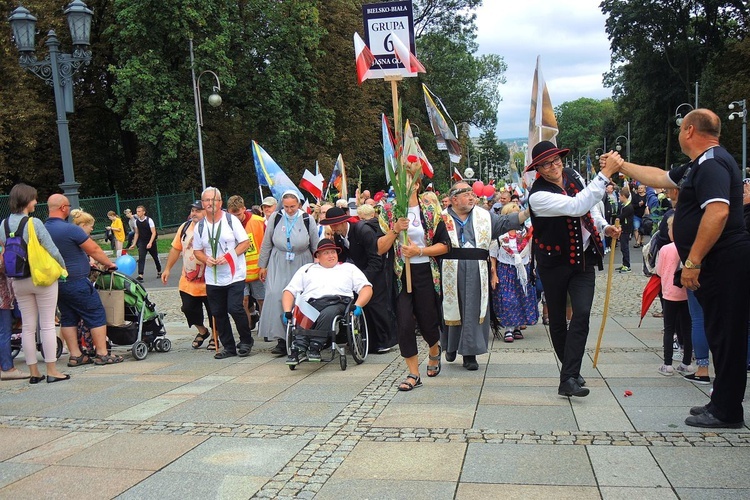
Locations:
(77, 299)
(714, 247)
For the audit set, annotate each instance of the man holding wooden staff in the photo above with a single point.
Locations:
(567, 244)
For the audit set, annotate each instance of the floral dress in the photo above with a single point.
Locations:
(513, 299)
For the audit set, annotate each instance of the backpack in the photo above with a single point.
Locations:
(228, 216)
(16, 253)
(305, 219)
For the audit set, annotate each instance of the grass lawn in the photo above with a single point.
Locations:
(163, 243)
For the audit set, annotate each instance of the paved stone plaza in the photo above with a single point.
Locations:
(183, 425)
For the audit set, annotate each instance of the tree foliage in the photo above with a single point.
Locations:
(287, 81)
(659, 49)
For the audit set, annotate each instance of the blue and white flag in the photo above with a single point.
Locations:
(270, 174)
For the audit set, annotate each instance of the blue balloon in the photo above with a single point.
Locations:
(125, 264)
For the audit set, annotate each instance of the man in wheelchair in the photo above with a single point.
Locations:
(322, 291)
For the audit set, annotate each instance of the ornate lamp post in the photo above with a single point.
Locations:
(214, 100)
(678, 116)
(743, 114)
(57, 70)
(627, 143)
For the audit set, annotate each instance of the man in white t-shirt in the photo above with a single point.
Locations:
(324, 286)
(220, 243)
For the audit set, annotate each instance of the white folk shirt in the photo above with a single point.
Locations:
(228, 239)
(314, 281)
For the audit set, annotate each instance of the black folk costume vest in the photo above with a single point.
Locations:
(558, 241)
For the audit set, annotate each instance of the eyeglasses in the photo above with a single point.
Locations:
(557, 161)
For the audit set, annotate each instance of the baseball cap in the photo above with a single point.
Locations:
(268, 201)
(196, 204)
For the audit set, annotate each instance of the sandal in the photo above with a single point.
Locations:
(409, 385)
(107, 359)
(434, 371)
(508, 336)
(517, 335)
(211, 345)
(545, 320)
(199, 339)
(81, 360)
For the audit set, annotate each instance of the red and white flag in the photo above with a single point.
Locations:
(312, 183)
(409, 60)
(457, 175)
(363, 58)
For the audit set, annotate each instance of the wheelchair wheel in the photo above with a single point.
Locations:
(358, 337)
(342, 361)
(289, 339)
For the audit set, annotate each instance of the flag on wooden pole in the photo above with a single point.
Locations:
(363, 59)
(312, 183)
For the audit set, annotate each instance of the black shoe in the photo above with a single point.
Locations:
(707, 420)
(571, 387)
(35, 380)
(470, 363)
(698, 410)
(581, 381)
(139, 278)
(224, 354)
(383, 350)
(51, 379)
(280, 349)
(450, 357)
(243, 350)
(296, 358)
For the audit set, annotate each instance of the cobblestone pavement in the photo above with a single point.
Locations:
(332, 434)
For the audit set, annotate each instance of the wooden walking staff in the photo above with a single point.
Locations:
(394, 79)
(609, 289)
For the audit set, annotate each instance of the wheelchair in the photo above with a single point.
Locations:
(347, 329)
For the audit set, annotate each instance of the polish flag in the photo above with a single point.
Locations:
(457, 175)
(363, 58)
(312, 183)
(409, 60)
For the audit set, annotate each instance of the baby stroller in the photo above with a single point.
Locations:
(143, 329)
(15, 337)
(346, 329)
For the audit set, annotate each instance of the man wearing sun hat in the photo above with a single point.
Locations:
(322, 285)
(567, 243)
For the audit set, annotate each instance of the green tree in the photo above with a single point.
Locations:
(583, 124)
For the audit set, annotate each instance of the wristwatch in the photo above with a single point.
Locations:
(689, 265)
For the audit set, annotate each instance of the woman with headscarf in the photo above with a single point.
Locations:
(288, 244)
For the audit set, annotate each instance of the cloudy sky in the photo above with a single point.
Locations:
(567, 34)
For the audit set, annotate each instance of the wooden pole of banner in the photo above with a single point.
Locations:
(394, 79)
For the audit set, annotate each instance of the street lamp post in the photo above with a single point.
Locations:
(57, 70)
(214, 100)
(743, 114)
(678, 116)
(627, 143)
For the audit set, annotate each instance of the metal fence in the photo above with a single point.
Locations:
(167, 210)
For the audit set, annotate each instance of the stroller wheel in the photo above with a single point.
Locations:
(166, 345)
(139, 350)
(158, 347)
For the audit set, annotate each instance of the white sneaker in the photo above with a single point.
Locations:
(666, 370)
(683, 369)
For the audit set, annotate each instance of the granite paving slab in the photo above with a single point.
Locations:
(183, 485)
(69, 444)
(384, 489)
(525, 418)
(64, 483)
(121, 452)
(294, 414)
(523, 371)
(405, 461)
(219, 456)
(527, 464)
(245, 389)
(474, 491)
(601, 418)
(11, 472)
(629, 493)
(712, 494)
(426, 415)
(12, 445)
(341, 392)
(208, 411)
(430, 393)
(149, 408)
(716, 467)
(509, 394)
(626, 466)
